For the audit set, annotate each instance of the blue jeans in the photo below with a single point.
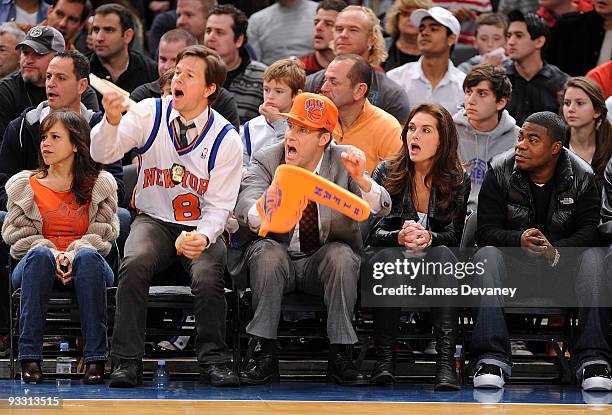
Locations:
(592, 288)
(35, 274)
(490, 339)
(4, 283)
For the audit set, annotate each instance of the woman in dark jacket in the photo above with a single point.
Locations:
(429, 191)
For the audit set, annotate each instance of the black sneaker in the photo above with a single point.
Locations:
(596, 377)
(489, 376)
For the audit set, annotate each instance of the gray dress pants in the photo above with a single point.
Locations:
(332, 272)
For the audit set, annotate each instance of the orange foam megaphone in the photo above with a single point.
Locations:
(282, 204)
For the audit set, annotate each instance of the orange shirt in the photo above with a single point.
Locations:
(64, 221)
(375, 132)
(602, 74)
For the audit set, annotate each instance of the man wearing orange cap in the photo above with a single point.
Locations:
(321, 255)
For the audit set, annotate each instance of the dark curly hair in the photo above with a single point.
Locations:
(84, 170)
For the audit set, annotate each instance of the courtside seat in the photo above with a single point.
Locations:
(130, 176)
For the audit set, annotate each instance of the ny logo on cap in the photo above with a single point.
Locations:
(314, 109)
(35, 32)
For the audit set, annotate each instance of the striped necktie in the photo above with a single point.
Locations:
(183, 132)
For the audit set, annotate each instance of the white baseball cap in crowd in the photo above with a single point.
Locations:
(440, 15)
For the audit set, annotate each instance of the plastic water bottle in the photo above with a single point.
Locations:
(161, 376)
(63, 366)
(63, 363)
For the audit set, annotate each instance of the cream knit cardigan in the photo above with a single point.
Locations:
(22, 228)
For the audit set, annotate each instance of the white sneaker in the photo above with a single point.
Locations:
(519, 348)
(489, 376)
(488, 395)
(597, 398)
(596, 377)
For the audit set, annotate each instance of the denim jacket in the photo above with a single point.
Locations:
(8, 11)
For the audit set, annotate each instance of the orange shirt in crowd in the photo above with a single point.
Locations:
(602, 74)
(551, 20)
(376, 132)
(64, 221)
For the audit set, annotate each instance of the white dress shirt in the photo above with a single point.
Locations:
(448, 92)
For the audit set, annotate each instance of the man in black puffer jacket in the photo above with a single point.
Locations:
(542, 198)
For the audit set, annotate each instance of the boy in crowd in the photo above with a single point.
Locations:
(165, 82)
(283, 80)
(484, 127)
(490, 39)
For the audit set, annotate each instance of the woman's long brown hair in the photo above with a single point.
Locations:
(84, 169)
(446, 173)
(603, 130)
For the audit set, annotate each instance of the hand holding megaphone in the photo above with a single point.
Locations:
(280, 207)
(110, 90)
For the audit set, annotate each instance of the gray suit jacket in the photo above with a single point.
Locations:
(334, 226)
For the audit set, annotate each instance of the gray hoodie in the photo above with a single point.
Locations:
(476, 148)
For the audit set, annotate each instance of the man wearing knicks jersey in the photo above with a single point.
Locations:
(188, 158)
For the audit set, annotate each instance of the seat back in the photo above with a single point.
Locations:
(468, 237)
(130, 176)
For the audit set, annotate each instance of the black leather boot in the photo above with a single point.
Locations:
(445, 331)
(383, 372)
(94, 373)
(261, 364)
(127, 373)
(340, 366)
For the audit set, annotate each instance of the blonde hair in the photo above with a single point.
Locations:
(378, 51)
(290, 71)
(398, 6)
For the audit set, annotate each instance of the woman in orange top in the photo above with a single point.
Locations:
(61, 221)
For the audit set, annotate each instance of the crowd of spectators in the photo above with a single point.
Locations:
(428, 110)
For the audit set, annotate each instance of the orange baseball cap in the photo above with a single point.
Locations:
(313, 111)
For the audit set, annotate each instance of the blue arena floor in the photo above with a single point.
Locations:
(301, 391)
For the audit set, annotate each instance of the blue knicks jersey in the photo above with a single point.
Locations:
(173, 180)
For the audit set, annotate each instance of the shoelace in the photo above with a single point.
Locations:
(597, 371)
(488, 369)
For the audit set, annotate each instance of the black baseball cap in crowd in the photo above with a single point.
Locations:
(44, 39)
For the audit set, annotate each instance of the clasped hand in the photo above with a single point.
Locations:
(414, 236)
